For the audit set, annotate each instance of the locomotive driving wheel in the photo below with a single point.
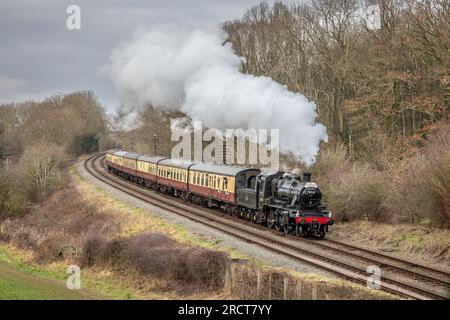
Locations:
(322, 232)
(298, 230)
(287, 228)
(277, 225)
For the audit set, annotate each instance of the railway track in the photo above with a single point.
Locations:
(400, 277)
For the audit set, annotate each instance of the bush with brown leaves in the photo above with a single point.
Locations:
(157, 255)
(59, 225)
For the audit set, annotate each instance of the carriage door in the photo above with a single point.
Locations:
(262, 190)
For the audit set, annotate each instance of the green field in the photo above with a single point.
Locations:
(16, 285)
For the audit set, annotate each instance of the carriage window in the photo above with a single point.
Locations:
(225, 183)
(251, 182)
(206, 180)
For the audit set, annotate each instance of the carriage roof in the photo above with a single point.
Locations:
(181, 164)
(221, 169)
(149, 159)
(131, 155)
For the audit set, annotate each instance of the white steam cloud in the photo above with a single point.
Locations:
(194, 72)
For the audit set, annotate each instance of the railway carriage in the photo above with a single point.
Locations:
(114, 160)
(172, 176)
(218, 184)
(147, 170)
(129, 165)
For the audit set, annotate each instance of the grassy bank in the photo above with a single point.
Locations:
(16, 285)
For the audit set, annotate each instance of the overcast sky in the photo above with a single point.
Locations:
(39, 56)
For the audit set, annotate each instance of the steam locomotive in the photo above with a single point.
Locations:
(280, 200)
(286, 203)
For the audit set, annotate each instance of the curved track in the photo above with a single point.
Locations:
(400, 277)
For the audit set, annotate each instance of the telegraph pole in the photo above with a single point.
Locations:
(155, 139)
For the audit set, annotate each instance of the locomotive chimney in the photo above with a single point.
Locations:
(306, 176)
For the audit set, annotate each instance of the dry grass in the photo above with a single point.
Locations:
(419, 243)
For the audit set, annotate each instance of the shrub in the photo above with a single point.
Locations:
(57, 225)
(420, 186)
(440, 189)
(91, 251)
(205, 267)
(358, 193)
(39, 169)
(13, 200)
(330, 163)
(157, 255)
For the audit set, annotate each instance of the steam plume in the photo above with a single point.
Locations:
(194, 72)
